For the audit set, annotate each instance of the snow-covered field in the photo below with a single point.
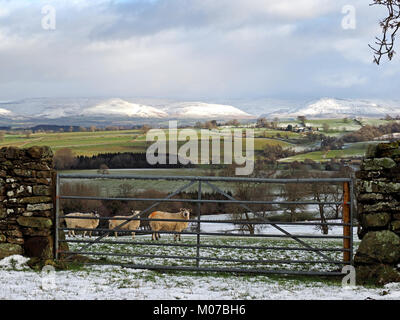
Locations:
(106, 282)
(18, 281)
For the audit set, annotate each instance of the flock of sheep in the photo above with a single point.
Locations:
(92, 220)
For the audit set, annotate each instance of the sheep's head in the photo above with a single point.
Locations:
(185, 213)
(95, 214)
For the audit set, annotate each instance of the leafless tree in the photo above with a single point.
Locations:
(251, 191)
(103, 169)
(64, 158)
(384, 45)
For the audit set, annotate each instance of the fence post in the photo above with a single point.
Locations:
(56, 199)
(198, 225)
(346, 220)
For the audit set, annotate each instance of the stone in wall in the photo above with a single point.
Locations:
(26, 203)
(378, 205)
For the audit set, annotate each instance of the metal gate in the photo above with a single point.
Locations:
(219, 251)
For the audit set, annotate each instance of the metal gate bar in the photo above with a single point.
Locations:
(231, 270)
(207, 234)
(208, 246)
(200, 258)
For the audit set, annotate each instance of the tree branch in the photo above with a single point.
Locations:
(390, 25)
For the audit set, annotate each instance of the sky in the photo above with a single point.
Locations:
(193, 49)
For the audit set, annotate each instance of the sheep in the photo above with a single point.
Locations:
(176, 226)
(81, 223)
(131, 225)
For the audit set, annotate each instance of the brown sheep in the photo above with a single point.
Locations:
(131, 225)
(156, 226)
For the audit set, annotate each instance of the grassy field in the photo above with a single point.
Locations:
(352, 150)
(111, 187)
(82, 143)
(93, 143)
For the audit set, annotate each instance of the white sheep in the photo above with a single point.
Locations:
(176, 226)
(131, 225)
(81, 223)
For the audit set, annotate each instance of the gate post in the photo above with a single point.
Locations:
(346, 220)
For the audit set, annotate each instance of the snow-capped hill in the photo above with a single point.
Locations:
(339, 108)
(201, 110)
(5, 112)
(122, 108)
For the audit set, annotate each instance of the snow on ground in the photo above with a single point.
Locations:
(17, 281)
(268, 229)
(105, 282)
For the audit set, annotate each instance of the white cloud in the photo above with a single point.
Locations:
(4, 12)
(186, 48)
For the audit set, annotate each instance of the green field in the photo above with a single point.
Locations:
(93, 143)
(82, 143)
(111, 187)
(353, 150)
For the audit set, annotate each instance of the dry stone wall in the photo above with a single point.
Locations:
(26, 202)
(378, 205)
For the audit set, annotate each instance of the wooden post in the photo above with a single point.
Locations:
(346, 220)
(54, 194)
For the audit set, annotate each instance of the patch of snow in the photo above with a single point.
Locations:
(5, 112)
(119, 107)
(14, 262)
(197, 110)
(116, 283)
(310, 229)
(339, 108)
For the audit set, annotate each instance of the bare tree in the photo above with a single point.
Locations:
(321, 193)
(64, 159)
(302, 120)
(145, 128)
(390, 25)
(251, 191)
(103, 169)
(28, 134)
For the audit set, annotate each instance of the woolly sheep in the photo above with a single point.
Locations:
(176, 226)
(131, 225)
(81, 223)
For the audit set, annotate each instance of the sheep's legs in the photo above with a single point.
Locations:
(155, 236)
(177, 237)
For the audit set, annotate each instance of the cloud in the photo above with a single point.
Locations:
(188, 49)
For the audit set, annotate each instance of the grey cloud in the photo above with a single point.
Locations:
(190, 49)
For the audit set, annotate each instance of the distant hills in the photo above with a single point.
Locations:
(113, 109)
(105, 111)
(340, 108)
